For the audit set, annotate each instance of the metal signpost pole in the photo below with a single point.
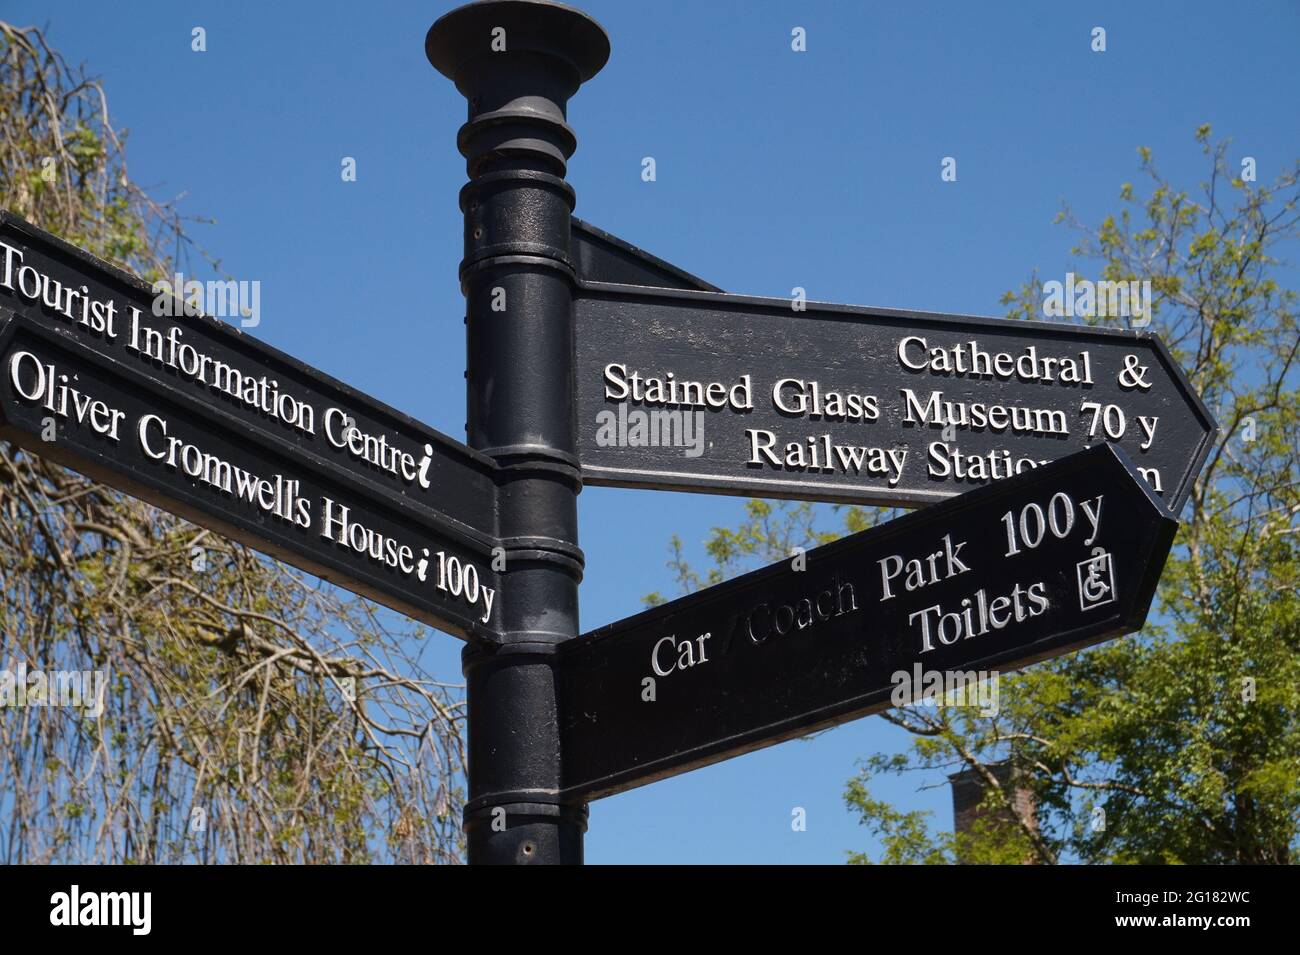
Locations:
(517, 63)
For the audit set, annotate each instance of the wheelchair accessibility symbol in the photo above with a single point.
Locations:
(1096, 580)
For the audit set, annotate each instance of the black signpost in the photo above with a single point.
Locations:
(517, 64)
(1054, 459)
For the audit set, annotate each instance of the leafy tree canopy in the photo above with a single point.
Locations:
(1182, 743)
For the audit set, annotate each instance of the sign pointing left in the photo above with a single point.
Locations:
(195, 417)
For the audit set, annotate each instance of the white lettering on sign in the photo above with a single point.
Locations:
(75, 304)
(767, 620)
(342, 433)
(922, 572)
(671, 655)
(820, 453)
(278, 496)
(1035, 522)
(979, 416)
(947, 461)
(969, 360)
(257, 393)
(459, 578)
(794, 396)
(165, 345)
(667, 391)
(979, 615)
(43, 384)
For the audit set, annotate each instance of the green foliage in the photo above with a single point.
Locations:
(1182, 743)
(905, 835)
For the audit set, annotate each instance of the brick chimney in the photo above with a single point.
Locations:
(968, 788)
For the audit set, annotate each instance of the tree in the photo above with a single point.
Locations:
(250, 713)
(1182, 743)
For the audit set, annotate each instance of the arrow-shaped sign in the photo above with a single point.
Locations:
(1031, 567)
(196, 417)
(704, 391)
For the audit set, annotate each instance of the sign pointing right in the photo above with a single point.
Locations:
(727, 394)
(1031, 567)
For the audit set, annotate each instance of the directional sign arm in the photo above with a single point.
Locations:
(729, 394)
(160, 444)
(100, 374)
(1028, 568)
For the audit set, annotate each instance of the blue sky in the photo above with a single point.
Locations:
(775, 169)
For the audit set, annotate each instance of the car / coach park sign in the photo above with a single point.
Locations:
(1052, 460)
(1045, 562)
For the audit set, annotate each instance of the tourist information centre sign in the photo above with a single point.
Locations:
(192, 415)
(1053, 460)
